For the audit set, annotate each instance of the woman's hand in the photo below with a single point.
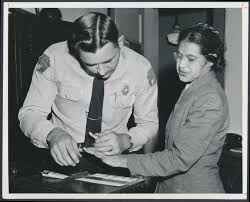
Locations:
(114, 161)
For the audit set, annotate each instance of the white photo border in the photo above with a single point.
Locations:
(244, 7)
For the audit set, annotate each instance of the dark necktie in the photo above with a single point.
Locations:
(94, 115)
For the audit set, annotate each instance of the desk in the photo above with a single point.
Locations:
(39, 184)
(26, 178)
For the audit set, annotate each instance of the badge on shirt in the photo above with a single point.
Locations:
(43, 63)
(151, 77)
(125, 90)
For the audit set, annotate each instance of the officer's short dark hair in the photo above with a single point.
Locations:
(91, 32)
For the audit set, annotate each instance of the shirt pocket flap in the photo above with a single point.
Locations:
(71, 93)
(124, 101)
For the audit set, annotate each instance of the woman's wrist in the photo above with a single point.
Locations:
(124, 161)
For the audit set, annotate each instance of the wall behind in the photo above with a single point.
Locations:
(151, 52)
(166, 26)
(151, 36)
(71, 14)
(233, 74)
(128, 22)
(32, 10)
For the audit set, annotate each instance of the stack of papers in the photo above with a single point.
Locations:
(98, 178)
(106, 179)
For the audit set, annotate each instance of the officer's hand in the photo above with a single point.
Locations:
(63, 147)
(111, 143)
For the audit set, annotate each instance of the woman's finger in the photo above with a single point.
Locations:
(104, 148)
(90, 150)
(103, 143)
(103, 138)
(110, 153)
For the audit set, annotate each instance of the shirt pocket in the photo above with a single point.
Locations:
(122, 101)
(72, 93)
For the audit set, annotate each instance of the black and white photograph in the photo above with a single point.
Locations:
(102, 99)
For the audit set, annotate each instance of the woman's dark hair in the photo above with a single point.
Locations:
(91, 32)
(212, 46)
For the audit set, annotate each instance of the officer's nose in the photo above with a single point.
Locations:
(100, 69)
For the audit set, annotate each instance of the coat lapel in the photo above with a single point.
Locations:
(184, 100)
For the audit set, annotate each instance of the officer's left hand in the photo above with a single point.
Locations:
(111, 143)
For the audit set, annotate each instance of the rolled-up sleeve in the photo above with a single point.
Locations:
(145, 111)
(202, 124)
(38, 102)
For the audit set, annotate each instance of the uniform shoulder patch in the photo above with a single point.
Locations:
(43, 63)
(151, 77)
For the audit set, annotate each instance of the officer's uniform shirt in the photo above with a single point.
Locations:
(60, 85)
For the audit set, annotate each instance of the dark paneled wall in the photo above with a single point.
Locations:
(29, 36)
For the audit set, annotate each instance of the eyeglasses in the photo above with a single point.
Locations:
(178, 57)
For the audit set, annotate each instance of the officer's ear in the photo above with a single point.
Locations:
(121, 41)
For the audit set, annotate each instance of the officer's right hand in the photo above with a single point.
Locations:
(63, 147)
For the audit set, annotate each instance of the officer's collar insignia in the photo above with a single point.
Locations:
(125, 90)
(43, 63)
(151, 77)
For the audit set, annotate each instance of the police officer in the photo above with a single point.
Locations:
(62, 84)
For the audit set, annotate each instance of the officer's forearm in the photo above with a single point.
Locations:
(142, 133)
(35, 127)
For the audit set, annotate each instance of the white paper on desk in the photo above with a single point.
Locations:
(106, 179)
(52, 174)
(85, 179)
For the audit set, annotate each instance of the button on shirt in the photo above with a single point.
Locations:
(59, 85)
